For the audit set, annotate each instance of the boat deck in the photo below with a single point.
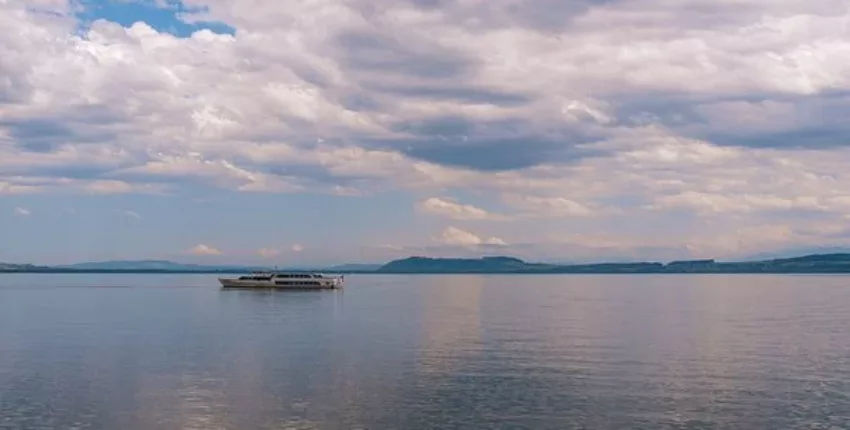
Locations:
(283, 281)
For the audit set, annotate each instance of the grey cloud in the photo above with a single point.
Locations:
(309, 173)
(677, 17)
(78, 124)
(70, 171)
(311, 75)
(558, 16)
(147, 177)
(541, 15)
(13, 88)
(372, 52)
(798, 121)
(438, 126)
(816, 137)
(360, 102)
(671, 110)
(463, 94)
(485, 155)
(551, 14)
(486, 145)
(429, 4)
(37, 135)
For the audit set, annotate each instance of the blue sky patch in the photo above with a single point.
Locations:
(162, 15)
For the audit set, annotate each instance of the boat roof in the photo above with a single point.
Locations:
(284, 272)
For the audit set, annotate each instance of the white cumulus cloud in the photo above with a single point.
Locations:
(455, 236)
(450, 208)
(202, 249)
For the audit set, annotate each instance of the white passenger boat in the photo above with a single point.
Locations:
(285, 281)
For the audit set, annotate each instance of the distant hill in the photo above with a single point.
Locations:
(796, 252)
(130, 265)
(506, 265)
(156, 265)
(456, 265)
(9, 267)
(816, 263)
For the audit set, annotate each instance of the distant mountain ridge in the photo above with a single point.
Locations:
(503, 264)
(427, 264)
(8, 267)
(128, 266)
(152, 265)
(813, 263)
(796, 252)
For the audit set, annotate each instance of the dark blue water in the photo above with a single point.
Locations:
(419, 352)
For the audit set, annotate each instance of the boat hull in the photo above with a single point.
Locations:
(321, 284)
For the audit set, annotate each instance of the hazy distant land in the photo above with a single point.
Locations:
(815, 263)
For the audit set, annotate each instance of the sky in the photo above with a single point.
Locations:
(335, 131)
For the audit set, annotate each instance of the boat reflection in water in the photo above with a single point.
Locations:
(284, 281)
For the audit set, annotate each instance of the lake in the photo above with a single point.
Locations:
(426, 352)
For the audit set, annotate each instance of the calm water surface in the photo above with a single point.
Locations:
(414, 352)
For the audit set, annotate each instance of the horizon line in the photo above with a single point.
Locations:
(481, 257)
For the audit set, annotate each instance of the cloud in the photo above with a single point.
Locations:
(417, 82)
(732, 115)
(450, 208)
(723, 203)
(22, 211)
(268, 252)
(129, 213)
(202, 249)
(115, 187)
(548, 206)
(455, 236)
